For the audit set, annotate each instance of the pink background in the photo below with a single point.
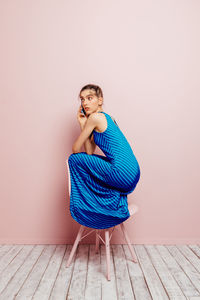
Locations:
(145, 56)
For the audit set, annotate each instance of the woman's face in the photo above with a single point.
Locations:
(90, 102)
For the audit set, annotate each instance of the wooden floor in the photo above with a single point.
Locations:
(39, 272)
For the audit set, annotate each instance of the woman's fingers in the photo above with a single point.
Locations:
(80, 108)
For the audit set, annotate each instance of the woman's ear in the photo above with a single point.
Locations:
(101, 100)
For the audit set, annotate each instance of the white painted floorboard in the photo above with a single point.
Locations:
(39, 272)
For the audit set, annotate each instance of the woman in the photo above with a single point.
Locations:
(100, 184)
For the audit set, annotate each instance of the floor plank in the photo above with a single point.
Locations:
(31, 283)
(123, 281)
(78, 282)
(153, 281)
(172, 288)
(195, 249)
(93, 280)
(46, 284)
(9, 256)
(4, 249)
(188, 268)
(189, 255)
(175, 269)
(13, 266)
(40, 272)
(63, 279)
(18, 279)
(137, 278)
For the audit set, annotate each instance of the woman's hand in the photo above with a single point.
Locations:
(81, 117)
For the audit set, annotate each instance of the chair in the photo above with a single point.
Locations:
(132, 209)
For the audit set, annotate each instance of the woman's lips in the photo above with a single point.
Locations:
(87, 108)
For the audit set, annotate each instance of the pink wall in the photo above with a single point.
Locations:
(145, 56)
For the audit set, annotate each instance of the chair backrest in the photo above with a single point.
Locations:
(69, 179)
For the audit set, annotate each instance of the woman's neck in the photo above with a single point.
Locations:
(100, 109)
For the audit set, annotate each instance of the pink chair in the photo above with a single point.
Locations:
(132, 209)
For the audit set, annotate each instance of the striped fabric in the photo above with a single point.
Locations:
(100, 184)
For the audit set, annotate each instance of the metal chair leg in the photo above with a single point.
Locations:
(78, 237)
(107, 240)
(128, 242)
(97, 241)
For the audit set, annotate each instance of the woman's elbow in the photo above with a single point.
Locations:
(74, 150)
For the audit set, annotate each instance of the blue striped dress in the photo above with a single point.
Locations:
(100, 184)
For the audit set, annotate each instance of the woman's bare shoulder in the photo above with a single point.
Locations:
(100, 121)
(97, 117)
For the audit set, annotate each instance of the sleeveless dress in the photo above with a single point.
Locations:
(100, 184)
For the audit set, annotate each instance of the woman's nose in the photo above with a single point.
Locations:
(86, 102)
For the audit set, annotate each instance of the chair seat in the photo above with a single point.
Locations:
(132, 208)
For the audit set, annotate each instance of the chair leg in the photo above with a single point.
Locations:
(97, 241)
(107, 252)
(78, 237)
(129, 243)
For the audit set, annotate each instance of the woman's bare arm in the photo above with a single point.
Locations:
(84, 137)
(89, 145)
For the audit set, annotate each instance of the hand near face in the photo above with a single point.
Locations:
(81, 117)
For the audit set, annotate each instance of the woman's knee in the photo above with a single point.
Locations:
(75, 157)
(70, 159)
